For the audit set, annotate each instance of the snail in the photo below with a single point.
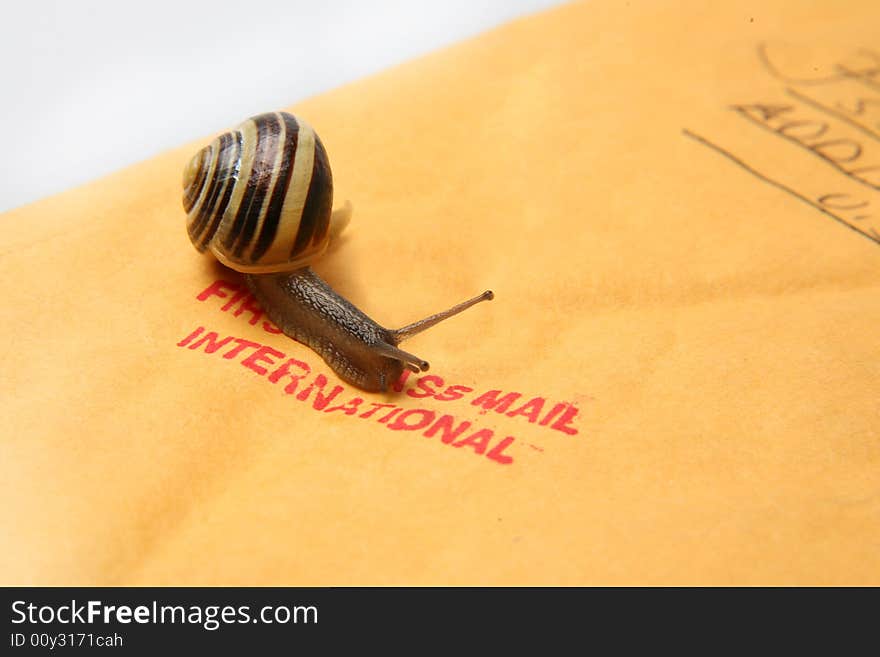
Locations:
(259, 197)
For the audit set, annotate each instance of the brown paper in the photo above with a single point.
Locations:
(678, 208)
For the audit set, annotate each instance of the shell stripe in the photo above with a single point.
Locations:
(197, 186)
(271, 132)
(250, 211)
(250, 180)
(248, 133)
(232, 163)
(316, 212)
(269, 227)
(259, 211)
(295, 199)
(193, 192)
(207, 187)
(207, 206)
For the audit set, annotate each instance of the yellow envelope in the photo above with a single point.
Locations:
(677, 205)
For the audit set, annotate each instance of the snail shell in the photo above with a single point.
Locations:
(259, 197)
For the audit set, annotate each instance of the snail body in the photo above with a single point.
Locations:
(260, 198)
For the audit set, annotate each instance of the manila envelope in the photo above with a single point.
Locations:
(678, 209)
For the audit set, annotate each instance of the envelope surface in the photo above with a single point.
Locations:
(678, 209)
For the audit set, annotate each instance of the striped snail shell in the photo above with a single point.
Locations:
(259, 197)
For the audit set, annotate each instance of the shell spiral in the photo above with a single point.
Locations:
(259, 197)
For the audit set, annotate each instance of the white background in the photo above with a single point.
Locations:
(89, 86)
